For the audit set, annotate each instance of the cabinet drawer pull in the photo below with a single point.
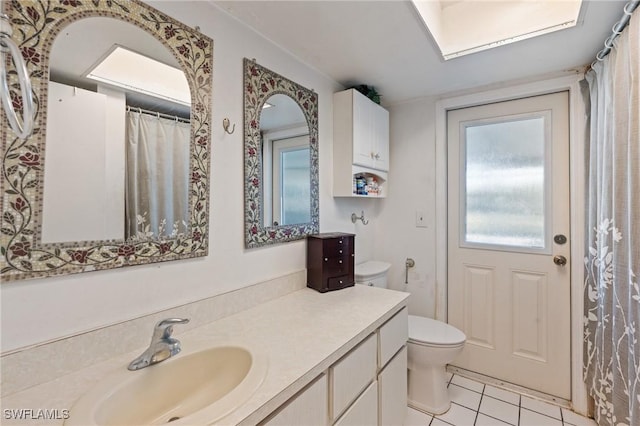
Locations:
(340, 261)
(326, 259)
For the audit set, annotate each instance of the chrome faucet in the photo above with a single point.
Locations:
(162, 345)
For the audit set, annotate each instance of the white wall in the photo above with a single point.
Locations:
(35, 311)
(411, 189)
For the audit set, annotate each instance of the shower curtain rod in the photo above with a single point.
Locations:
(616, 30)
(158, 114)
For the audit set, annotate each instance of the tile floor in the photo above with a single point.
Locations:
(476, 404)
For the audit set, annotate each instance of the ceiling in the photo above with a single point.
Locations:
(385, 44)
(83, 43)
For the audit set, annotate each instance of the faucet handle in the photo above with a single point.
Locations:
(165, 327)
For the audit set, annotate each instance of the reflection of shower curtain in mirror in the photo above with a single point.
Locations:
(157, 176)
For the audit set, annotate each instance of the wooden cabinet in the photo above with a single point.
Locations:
(330, 261)
(360, 143)
(307, 408)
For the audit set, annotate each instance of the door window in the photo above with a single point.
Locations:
(504, 190)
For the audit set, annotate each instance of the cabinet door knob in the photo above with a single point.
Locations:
(339, 261)
(326, 259)
(340, 251)
(377, 156)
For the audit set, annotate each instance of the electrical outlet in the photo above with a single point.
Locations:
(421, 219)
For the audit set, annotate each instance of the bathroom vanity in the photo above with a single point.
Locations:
(340, 355)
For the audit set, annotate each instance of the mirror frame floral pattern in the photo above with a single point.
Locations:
(261, 83)
(35, 26)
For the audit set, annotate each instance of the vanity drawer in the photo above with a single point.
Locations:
(352, 374)
(393, 335)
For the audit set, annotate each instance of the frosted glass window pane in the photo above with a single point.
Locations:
(505, 183)
(296, 191)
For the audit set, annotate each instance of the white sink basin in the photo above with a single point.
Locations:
(200, 388)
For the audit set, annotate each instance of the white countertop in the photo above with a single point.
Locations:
(301, 335)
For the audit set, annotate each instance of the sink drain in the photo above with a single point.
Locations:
(173, 419)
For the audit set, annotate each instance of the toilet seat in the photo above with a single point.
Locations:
(429, 332)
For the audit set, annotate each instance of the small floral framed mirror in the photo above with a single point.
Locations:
(280, 158)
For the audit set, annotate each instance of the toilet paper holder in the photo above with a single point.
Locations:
(409, 263)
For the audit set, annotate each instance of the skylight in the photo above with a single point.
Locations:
(461, 27)
(132, 71)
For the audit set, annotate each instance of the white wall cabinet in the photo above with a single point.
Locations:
(360, 142)
(370, 131)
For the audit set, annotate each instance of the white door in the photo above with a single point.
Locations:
(508, 240)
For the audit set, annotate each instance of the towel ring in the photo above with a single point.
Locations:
(7, 45)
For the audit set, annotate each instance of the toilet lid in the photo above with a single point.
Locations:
(371, 268)
(429, 331)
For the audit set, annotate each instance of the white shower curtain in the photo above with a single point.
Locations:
(157, 176)
(612, 292)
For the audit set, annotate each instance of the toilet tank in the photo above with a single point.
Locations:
(372, 273)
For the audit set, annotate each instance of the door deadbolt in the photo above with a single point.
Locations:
(560, 239)
(560, 260)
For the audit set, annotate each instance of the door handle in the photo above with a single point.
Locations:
(560, 260)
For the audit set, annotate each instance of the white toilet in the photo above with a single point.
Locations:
(432, 345)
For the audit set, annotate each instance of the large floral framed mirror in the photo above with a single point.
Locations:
(280, 158)
(116, 172)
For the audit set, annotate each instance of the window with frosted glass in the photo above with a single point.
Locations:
(504, 183)
(295, 188)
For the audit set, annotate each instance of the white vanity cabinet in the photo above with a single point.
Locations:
(352, 374)
(364, 411)
(392, 365)
(360, 143)
(392, 381)
(307, 408)
(365, 387)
